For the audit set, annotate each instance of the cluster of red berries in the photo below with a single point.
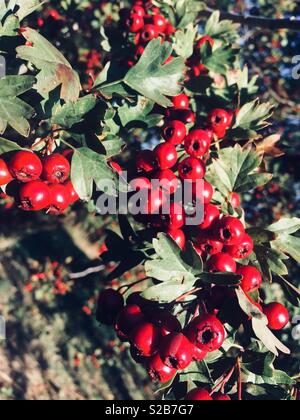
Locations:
(157, 339)
(38, 184)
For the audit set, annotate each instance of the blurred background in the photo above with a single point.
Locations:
(55, 349)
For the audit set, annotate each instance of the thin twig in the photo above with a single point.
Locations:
(240, 383)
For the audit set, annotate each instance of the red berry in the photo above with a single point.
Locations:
(134, 23)
(110, 303)
(221, 263)
(145, 338)
(160, 22)
(181, 102)
(221, 397)
(230, 231)
(176, 351)
(149, 32)
(141, 183)
(156, 199)
(5, 175)
(202, 193)
(129, 318)
(73, 194)
(219, 121)
(25, 166)
(278, 316)
(158, 371)
(166, 322)
(207, 245)
(252, 279)
(145, 161)
(168, 181)
(243, 249)
(138, 10)
(56, 169)
(198, 394)
(203, 40)
(35, 196)
(191, 169)
(175, 219)
(197, 143)
(235, 200)
(116, 167)
(166, 155)
(198, 354)
(60, 199)
(170, 30)
(210, 217)
(207, 333)
(174, 132)
(178, 236)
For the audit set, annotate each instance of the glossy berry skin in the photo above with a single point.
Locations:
(235, 200)
(197, 143)
(110, 303)
(191, 169)
(198, 354)
(252, 279)
(210, 217)
(129, 318)
(221, 397)
(207, 245)
(146, 338)
(219, 121)
(158, 371)
(207, 333)
(59, 199)
(198, 394)
(166, 322)
(160, 23)
(146, 162)
(166, 155)
(116, 167)
(181, 102)
(134, 23)
(168, 181)
(230, 231)
(26, 166)
(243, 249)
(34, 196)
(138, 10)
(174, 132)
(56, 169)
(175, 219)
(148, 33)
(201, 192)
(141, 183)
(156, 199)
(5, 175)
(176, 351)
(221, 263)
(178, 236)
(73, 194)
(278, 316)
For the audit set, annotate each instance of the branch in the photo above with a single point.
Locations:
(254, 21)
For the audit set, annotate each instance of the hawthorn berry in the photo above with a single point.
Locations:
(204, 39)
(160, 22)
(206, 332)
(278, 316)
(59, 199)
(141, 183)
(149, 32)
(207, 245)
(34, 196)
(252, 279)
(174, 132)
(210, 217)
(166, 322)
(181, 102)
(158, 371)
(5, 175)
(155, 200)
(197, 143)
(221, 263)
(26, 166)
(73, 194)
(219, 121)
(191, 169)
(145, 161)
(146, 338)
(198, 394)
(221, 397)
(176, 351)
(166, 155)
(56, 169)
(175, 219)
(138, 10)
(134, 23)
(202, 193)
(230, 230)
(198, 354)
(241, 250)
(168, 181)
(178, 236)
(110, 303)
(235, 200)
(128, 318)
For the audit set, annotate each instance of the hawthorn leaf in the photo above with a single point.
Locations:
(73, 113)
(285, 226)
(218, 60)
(25, 7)
(184, 41)
(14, 111)
(221, 29)
(8, 146)
(9, 23)
(221, 279)
(113, 146)
(166, 292)
(139, 113)
(271, 259)
(55, 70)
(254, 116)
(187, 11)
(289, 245)
(152, 78)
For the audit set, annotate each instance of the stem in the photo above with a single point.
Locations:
(292, 24)
(240, 383)
(182, 297)
(223, 382)
(129, 286)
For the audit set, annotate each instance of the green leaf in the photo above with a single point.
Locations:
(219, 60)
(220, 29)
(187, 11)
(172, 264)
(73, 113)
(166, 292)
(113, 146)
(272, 259)
(89, 167)
(139, 113)
(286, 226)
(254, 116)
(289, 245)
(152, 78)
(221, 279)
(55, 70)
(9, 24)
(26, 7)
(184, 41)
(14, 111)
(8, 146)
